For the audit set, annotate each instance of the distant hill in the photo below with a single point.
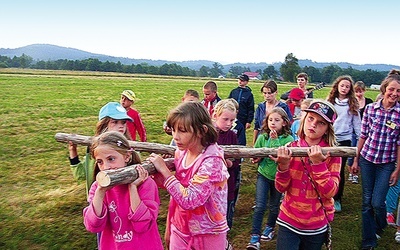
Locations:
(50, 52)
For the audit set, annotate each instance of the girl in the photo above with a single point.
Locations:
(112, 117)
(269, 90)
(359, 89)
(276, 128)
(197, 210)
(348, 122)
(224, 116)
(379, 150)
(309, 182)
(126, 215)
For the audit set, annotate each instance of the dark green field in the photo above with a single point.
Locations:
(41, 204)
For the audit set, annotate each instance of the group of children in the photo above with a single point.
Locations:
(204, 185)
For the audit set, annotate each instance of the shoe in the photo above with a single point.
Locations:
(350, 177)
(268, 234)
(254, 243)
(228, 245)
(338, 207)
(355, 179)
(397, 236)
(390, 219)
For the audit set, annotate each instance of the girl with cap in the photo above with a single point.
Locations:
(309, 182)
(112, 117)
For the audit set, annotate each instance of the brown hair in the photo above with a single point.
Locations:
(192, 92)
(102, 126)
(285, 129)
(117, 142)
(359, 85)
(194, 118)
(302, 74)
(270, 84)
(353, 103)
(393, 75)
(211, 86)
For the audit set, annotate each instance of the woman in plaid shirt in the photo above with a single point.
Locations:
(379, 150)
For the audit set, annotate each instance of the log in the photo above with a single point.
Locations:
(113, 177)
(232, 151)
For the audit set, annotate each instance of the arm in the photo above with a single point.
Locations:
(250, 111)
(283, 160)
(394, 177)
(94, 215)
(139, 126)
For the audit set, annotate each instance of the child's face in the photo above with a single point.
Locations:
(125, 102)
(117, 125)
(392, 92)
(107, 158)
(209, 95)
(190, 98)
(301, 82)
(242, 83)
(314, 126)
(275, 122)
(359, 92)
(344, 88)
(184, 139)
(225, 120)
(269, 96)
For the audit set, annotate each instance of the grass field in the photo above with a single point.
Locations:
(41, 204)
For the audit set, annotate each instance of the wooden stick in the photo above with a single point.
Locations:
(229, 151)
(109, 178)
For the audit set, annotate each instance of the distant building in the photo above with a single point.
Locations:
(253, 75)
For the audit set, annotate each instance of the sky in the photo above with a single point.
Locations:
(224, 31)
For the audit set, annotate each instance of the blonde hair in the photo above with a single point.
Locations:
(329, 136)
(116, 141)
(223, 105)
(307, 102)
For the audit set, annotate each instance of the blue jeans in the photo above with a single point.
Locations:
(392, 198)
(354, 141)
(289, 240)
(375, 185)
(264, 188)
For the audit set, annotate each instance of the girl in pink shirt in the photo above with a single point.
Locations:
(197, 210)
(126, 215)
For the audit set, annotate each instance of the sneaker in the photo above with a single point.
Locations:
(355, 179)
(338, 207)
(378, 237)
(390, 219)
(350, 177)
(254, 243)
(397, 236)
(228, 245)
(268, 234)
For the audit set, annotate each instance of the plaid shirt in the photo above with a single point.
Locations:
(381, 130)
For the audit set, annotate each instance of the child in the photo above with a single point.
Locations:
(296, 124)
(359, 89)
(191, 95)
(309, 182)
(378, 151)
(296, 96)
(128, 98)
(197, 210)
(223, 117)
(302, 81)
(269, 91)
(237, 126)
(276, 128)
(112, 117)
(242, 94)
(211, 97)
(126, 215)
(348, 122)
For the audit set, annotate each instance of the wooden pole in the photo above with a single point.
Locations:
(112, 177)
(229, 151)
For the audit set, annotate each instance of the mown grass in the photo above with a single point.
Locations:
(41, 204)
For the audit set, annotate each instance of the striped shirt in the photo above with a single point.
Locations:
(381, 130)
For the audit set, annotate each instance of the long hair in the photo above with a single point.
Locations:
(270, 84)
(117, 142)
(102, 126)
(393, 75)
(285, 128)
(194, 118)
(353, 103)
(329, 136)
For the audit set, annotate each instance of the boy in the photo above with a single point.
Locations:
(211, 97)
(243, 95)
(191, 95)
(128, 97)
(302, 80)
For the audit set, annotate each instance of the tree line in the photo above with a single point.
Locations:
(287, 72)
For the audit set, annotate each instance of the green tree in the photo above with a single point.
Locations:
(203, 71)
(238, 70)
(290, 68)
(216, 70)
(269, 73)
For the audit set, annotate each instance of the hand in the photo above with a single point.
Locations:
(142, 176)
(160, 165)
(255, 160)
(248, 125)
(316, 155)
(273, 134)
(72, 147)
(354, 169)
(283, 158)
(229, 163)
(394, 177)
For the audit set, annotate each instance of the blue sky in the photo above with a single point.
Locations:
(224, 31)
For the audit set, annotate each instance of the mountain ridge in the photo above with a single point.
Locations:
(52, 52)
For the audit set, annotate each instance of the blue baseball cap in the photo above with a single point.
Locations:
(115, 111)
